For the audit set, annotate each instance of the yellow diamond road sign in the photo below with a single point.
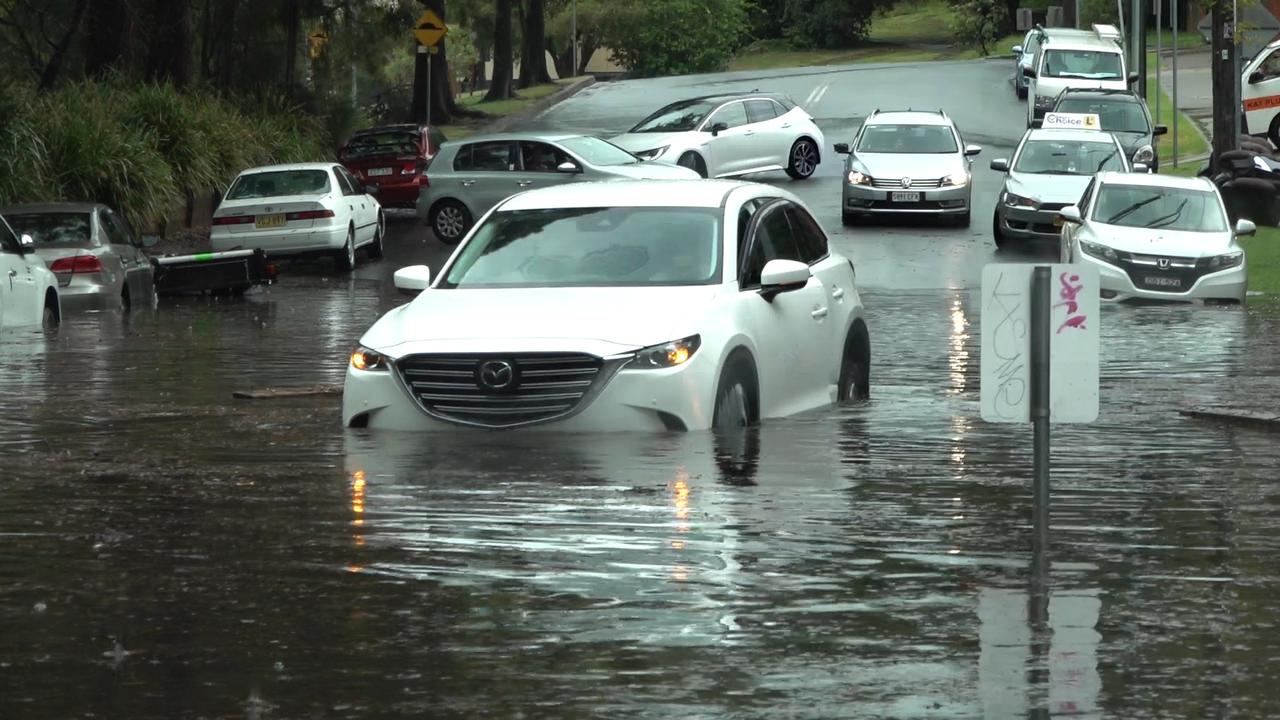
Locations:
(430, 29)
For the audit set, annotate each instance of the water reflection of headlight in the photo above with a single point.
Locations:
(357, 497)
(958, 355)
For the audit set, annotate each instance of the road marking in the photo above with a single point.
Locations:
(816, 95)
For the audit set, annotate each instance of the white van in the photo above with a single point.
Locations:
(1260, 93)
(1075, 59)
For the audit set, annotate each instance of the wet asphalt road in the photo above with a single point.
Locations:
(172, 552)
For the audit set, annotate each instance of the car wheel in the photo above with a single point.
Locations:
(1021, 90)
(803, 160)
(345, 259)
(50, 319)
(1001, 241)
(734, 408)
(375, 249)
(1273, 133)
(855, 370)
(125, 304)
(694, 162)
(449, 221)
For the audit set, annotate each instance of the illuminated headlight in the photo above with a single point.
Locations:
(1102, 252)
(368, 360)
(1145, 155)
(856, 178)
(1229, 260)
(651, 154)
(957, 180)
(676, 352)
(1018, 201)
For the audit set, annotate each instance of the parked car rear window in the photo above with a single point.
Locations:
(390, 142)
(912, 139)
(491, 156)
(591, 247)
(55, 230)
(1159, 207)
(279, 183)
(599, 152)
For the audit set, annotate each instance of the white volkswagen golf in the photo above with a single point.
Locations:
(626, 305)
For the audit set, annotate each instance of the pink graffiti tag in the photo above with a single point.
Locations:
(1068, 294)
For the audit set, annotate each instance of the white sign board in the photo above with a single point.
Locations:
(1072, 121)
(1006, 343)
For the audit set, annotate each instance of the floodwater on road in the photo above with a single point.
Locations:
(169, 551)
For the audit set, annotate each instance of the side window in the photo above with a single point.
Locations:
(484, 157)
(810, 240)
(1270, 67)
(540, 157)
(8, 241)
(733, 115)
(115, 229)
(1087, 198)
(761, 110)
(773, 240)
(747, 212)
(347, 183)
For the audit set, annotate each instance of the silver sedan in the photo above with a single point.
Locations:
(469, 177)
(97, 259)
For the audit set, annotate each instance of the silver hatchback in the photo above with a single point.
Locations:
(469, 177)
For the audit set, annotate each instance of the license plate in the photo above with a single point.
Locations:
(904, 197)
(269, 221)
(1163, 281)
(379, 171)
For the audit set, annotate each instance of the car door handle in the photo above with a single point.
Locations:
(819, 313)
(786, 125)
(837, 293)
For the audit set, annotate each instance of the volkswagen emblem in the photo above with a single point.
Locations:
(906, 182)
(1163, 263)
(496, 375)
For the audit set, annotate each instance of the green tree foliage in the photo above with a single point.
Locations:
(978, 23)
(829, 23)
(671, 37)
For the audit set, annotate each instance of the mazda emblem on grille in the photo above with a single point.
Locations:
(906, 182)
(1163, 263)
(496, 375)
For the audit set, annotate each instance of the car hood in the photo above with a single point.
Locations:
(651, 170)
(1171, 243)
(885, 165)
(640, 142)
(602, 321)
(1048, 188)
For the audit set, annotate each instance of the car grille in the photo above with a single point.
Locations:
(1052, 207)
(497, 391)
(1178, 275)
(896, 183)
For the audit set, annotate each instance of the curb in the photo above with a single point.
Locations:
(539, 106)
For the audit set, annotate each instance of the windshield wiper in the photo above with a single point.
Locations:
(1168, 219)
(1105, 159)
(1132, 209)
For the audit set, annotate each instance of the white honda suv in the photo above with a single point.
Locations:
(622, 305)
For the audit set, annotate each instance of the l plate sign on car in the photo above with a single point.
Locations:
(1072, 121)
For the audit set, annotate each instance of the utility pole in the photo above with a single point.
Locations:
(1225, 83)
(573, 38)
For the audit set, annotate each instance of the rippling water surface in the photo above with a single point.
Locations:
(172, 552)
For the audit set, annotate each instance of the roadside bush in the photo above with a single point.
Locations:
(978, 23)
(674, 37)
(829, 24)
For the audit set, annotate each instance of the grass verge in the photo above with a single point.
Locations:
(1191, 142)
(496, 109)
(1263, 252)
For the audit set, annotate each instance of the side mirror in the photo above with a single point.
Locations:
(26, 243)
(149, 240)
(718, 128)
(1071, 214)
(1245, 227)
(779, 276)
(568, 167)
(1028, 72)
(842, 148)
(1256, 77)
(1017, 50)
(1133, 78)
(971, 150)
(1159, 130)
(1000, 165)
(412, 279)
(1141, 168)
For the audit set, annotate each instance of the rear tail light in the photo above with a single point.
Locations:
(233, 220)
(309, 215)
(77, 264)
(411, 168)
(271, 271)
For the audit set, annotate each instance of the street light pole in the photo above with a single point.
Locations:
(573, 38)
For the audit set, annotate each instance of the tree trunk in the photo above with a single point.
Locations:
(533, 63)
(105, 46)
(53, 67)
(292, 18)
(169, 57)
(500, 85)
(1224, 81)
(586, 49)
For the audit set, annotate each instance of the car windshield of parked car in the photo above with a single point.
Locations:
(600, 153)
(54, 230)
(591, 247)
(279, 183)
(1116, 115)
(676, 117)
(1162, 208)
(1068, 157)
(391, 142)
(1092, 64)
(911, 139)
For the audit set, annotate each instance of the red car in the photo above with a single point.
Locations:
(393, 158)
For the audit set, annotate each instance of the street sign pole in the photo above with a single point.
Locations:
(429, 54)
(1041, 318)
(1235, 72)
(1159, 37)
(1174, 7)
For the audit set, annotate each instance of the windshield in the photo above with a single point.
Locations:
(591, 247)
(279, 183)
(600, 153)
(676, 117)
(54, 230)
(1159, 207)
(911, 139)
(1068, 157)
(1116, 115)
(391, 142)
(1092, 64)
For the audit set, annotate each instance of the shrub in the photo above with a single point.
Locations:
(977, 23)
